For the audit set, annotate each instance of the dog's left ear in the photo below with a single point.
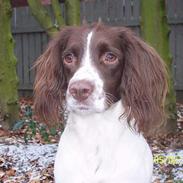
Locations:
(143, 83)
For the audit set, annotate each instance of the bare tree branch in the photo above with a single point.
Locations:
(57, 13)
(43, 17)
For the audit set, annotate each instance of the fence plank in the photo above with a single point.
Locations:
(179, 57)
(179, 8)
(102, 12)
(37, 45)
(173, 51)
(31, 57)
(128, 10)
(112, 12)
(25, 59)
(88, 11)
(174, 11)
(136, 9)
(44, 41)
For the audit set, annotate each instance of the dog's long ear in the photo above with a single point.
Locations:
(143, 83)
(50, 83)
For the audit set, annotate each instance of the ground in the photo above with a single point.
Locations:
(27, 153)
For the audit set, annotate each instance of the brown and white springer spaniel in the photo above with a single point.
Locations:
(113, 85)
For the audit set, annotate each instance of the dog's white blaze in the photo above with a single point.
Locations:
(87, 56)
(89, 72)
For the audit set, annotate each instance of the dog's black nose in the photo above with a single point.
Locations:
(81, 90)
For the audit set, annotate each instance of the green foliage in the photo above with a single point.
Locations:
(32, 127)
(44, 133)
(18, 125)
(53, 131)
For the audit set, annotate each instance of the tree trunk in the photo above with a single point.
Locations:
(42, 16)
(72, 12)
(8, 77)
(155, 31)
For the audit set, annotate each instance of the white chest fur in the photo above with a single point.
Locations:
(101, 148)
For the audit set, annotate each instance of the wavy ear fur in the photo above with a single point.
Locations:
(50, 82)
(143, 83)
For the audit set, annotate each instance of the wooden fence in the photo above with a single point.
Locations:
(31, 39)
(175, 19)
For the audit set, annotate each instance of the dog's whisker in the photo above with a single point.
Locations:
(110, 99)
(111, 96)
(109, 102)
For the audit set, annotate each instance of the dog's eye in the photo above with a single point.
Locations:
(69, 58)
(109, 58)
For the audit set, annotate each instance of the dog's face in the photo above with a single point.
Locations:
(93, 61)
(92, 67)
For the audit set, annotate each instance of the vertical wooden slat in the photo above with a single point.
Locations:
(83, 11)
(89, 10)
(128, 10)
(44, 41)
(96, 14)
(20, 17)
(179, 57)
(25, 49)
(18, 53)
(171, 9)
(111, 10)
(120, 10)
(136, 9)
(102, 11)
(107, 11)
(172, 41)
(99, 12)
(31, 57)
(37, 44)
(179, 8)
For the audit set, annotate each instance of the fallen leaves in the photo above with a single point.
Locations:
(27, 163)
(4, 132)
(6, 169)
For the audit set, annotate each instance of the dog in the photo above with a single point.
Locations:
(113, 86)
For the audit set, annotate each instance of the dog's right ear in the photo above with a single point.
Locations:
(50, 82)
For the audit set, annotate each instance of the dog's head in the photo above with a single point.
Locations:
(92, 67)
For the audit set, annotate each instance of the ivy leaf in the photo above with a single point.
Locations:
(32, 126)
(53, 131)
(18, 125)
(28, 111)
